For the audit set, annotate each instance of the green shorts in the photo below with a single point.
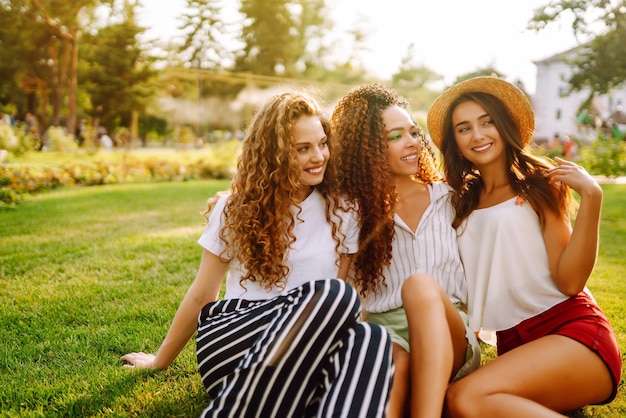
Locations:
(396, 325)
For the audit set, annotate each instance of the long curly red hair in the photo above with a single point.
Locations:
(366, 178)
(259, 224)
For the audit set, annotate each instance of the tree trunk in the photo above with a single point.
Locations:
(134, 127)
(55, 82)
(73, 81)
(43, 108)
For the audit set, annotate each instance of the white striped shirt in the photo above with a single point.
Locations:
(432, 249)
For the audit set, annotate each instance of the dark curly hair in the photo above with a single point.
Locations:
(259, 222)
(366, 178)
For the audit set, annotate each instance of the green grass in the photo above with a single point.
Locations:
(89, 274)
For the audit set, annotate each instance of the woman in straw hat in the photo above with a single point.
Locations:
(406, 239)
(285, 340)
(526, 267)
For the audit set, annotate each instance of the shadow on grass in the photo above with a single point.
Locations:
(197, 401)
(105, 398)
(117, 398)
(579, 413)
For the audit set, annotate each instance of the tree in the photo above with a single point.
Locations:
(117, 73)
(268, 42)
(601, 64)
(209, 43)
(40, 52)
(310, 28)
(412, 80)
(63, 19)
(207, 32)
(279, 35)
(30, 57)
(21, 54)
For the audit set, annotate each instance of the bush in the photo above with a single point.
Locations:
(8, 139)
(17, 180)
(604, 156)
(556, 151)
(59, 140)
(8, 197)
(15, 140)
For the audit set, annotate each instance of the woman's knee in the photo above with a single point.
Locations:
(459, 402)
(420, 288)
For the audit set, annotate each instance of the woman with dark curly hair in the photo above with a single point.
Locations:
(285, 341)
(407, 268)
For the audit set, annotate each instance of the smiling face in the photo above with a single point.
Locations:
(312, 151)
(403, 138)
(476, 135)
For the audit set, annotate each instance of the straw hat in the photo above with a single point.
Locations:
(515, 101)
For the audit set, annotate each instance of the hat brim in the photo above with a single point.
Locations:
(514, 100)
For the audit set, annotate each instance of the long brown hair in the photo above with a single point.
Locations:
(526, 171)
(258, 228)
(366, 177)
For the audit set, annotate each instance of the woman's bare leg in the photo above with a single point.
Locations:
(437, 341)
(399, 395)
(539, 379)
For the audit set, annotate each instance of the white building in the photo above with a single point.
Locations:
(556, 109)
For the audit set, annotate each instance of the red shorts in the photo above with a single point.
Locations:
(579, 318)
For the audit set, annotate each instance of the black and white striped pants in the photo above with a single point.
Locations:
(302, 354)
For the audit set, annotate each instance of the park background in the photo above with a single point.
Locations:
(90, 273)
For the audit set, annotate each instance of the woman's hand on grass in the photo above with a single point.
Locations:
(139, 361)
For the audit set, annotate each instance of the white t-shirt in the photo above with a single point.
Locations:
(312, 256)
(432, 248)
(506, 264)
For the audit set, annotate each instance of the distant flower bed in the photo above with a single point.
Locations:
(18, 181)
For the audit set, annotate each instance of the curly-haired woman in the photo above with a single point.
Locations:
(285, 340)
(407, 269)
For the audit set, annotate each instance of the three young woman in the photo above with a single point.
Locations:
(286, 339)
(526, 267)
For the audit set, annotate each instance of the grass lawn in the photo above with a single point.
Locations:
(89, 274)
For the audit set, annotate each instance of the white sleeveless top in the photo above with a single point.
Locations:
(506, 266)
